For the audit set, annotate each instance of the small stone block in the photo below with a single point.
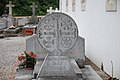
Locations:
(24, 74)
(76, 68)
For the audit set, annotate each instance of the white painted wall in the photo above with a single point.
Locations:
(101, 31)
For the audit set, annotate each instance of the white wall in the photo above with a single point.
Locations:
(101, 31)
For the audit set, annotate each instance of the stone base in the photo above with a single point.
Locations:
(23, 74)
(86, 73)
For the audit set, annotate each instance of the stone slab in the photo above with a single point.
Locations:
(37, 68)
(64, 78)
(76, 68)
(3, 23)
(72, 61)
(90, 74)
(57, 66)
(23, 74)
(32, 45)
(57, 31)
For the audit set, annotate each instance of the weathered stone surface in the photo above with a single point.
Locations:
(3, 23)
(77, 52)
(57, 66)
(57, 33)
(32, 45)
(90, 73)
(76, 68)
(37, 67)
(23, 74)
(10, 17)
(72, 62)
(23, 21)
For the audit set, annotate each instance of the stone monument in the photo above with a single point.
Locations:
(3, 23)
(10, 17)
(57, 33)
(33, 17)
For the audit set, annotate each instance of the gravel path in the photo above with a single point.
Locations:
(10, 48)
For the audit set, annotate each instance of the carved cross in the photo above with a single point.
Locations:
(33, 8)
(56, 10)
(50, 10)
(10, 7)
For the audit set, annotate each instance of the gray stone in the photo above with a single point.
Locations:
(77, 52)
(57, 33)
(37, 67)
(76, 68)
(3, 23)
(23, 74)
(57, 30)
(58, 44)
(10, 17)
(33, 17)
(11, 32)
(90, 74)
(32, 45)
(22, 22)
(57, 66)
(72, 61)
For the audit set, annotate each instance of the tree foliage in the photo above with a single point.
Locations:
(22, 7)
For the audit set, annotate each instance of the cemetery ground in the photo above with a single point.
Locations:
(11, 47)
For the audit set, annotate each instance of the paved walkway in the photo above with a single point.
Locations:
(10, 48)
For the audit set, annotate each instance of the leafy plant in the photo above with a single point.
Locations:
(26, 60)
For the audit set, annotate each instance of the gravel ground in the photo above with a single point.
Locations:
(10, 48)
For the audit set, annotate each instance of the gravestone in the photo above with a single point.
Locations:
(3, 23)
(77, 52)
(29, 29)
(22, 22)
(10, 17)
(57, 33)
